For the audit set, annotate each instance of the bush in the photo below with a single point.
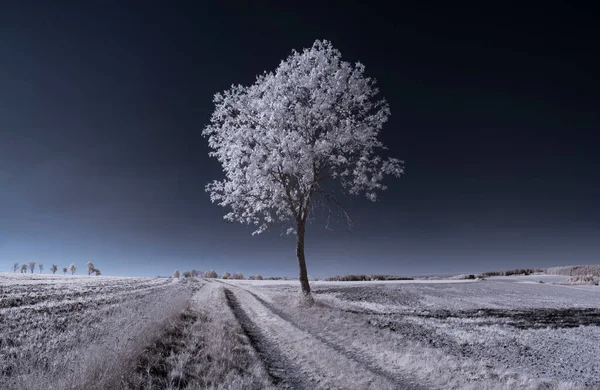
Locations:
(258, 277)
(176, 274)
(187, 274)
(226, 275)
(463, 277)
(587, 279)
(238, 276)
(211, 274)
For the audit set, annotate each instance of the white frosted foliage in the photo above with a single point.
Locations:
(314, 119)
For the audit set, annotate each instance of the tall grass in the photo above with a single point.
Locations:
(93, 352)
(205, 349)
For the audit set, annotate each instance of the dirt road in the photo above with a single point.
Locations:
(300, 356)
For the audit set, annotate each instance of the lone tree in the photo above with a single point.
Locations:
(283, 140)
(72, 268)
(90, 267)
(176, 274)
(41, 267)
(15, 267)
(23, 268)
(54, 268)
(31, 266)
(64, 270)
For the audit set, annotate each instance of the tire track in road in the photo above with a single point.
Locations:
(332, 364)
(283, 373)
(358, 358)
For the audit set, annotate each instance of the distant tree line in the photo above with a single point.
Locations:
(212, 274)
(73, 268)
(511, 272)
(365, 278)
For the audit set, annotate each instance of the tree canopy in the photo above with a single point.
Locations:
(279, 140)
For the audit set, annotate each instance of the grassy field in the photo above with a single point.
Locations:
(506, 332)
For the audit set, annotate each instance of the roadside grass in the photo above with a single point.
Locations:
(205, 349)
(73, 346)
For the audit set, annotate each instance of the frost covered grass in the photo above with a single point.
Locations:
(80, 332)
(204, 349)
(506, 332)
(491, 334)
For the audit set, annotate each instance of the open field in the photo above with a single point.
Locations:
(79, 332)
(504, 332)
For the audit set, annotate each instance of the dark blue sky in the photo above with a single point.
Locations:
(494, 110)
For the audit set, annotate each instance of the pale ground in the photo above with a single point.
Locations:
(503, 332)
(142, 333)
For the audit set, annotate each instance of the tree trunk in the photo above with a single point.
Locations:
(302, 261)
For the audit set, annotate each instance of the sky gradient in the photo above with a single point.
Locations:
(494, 111)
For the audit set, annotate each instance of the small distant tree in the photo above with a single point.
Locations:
(72, 268)
(15, 267)
(288, 140)
(23, 268)
(97, 272)
(90, 267)
(187, 274)
(31, 266)
(226, 275)
(211, 274)
(54, 268)
(41, 267)
(176, 274)
(258, 277)
(238, 275)
(64, 270)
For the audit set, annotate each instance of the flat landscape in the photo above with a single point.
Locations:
(72, 332)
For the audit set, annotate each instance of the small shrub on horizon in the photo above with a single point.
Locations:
(238, 275)
(226, 275)
(176, 274)
(212, 274)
